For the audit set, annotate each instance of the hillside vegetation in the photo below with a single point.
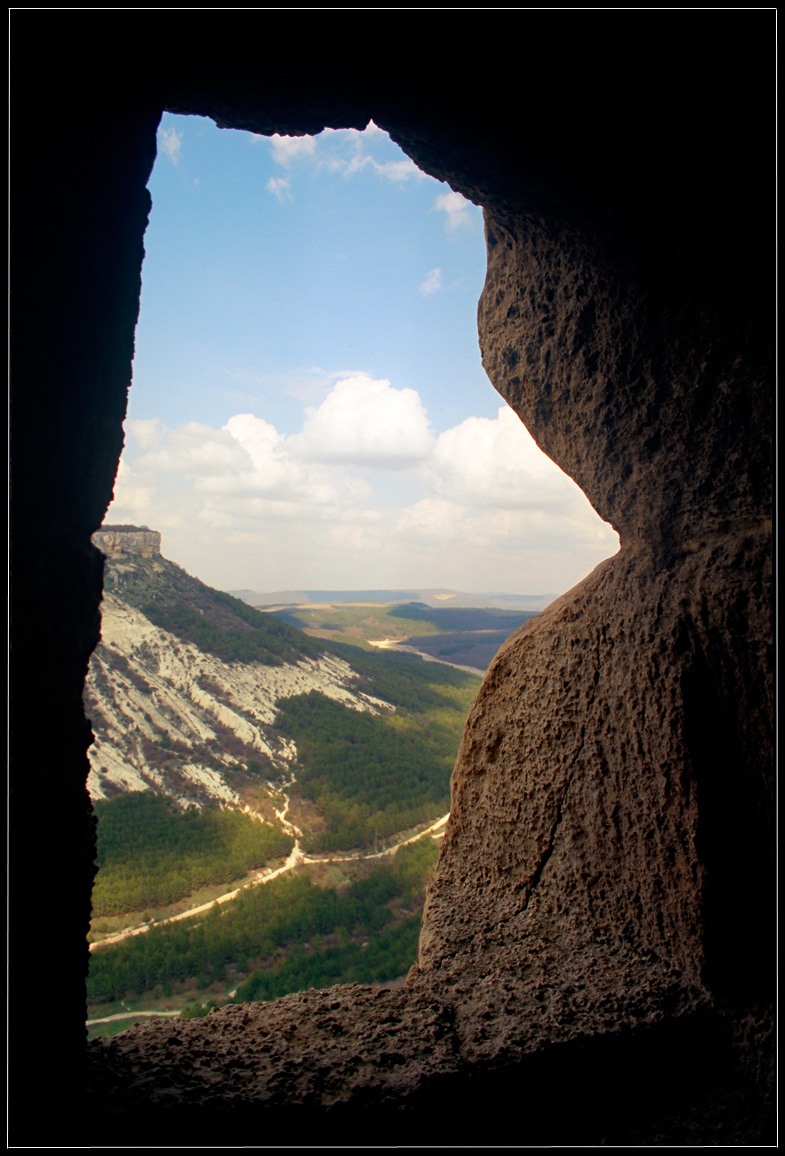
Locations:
(358, 625)
(213, 621)
(150, 853)
(245, 711)
(370, 775)
(280, 937)
(466, 636)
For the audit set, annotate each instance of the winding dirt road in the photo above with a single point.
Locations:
(266, 874)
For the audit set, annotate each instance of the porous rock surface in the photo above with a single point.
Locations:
(584, 871)
(328, 1047)
(573, 892)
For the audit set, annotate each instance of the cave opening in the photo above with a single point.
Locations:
(659, 171)
(359, 449)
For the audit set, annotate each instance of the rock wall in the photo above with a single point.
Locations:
(595, 959)
(613, 755)
(583, 885)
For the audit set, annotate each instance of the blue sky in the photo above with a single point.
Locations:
(308, 405)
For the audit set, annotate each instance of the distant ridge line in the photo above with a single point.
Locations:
(435, 597)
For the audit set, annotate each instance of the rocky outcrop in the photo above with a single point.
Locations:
(116, 540)
(352, 1066)
(595, 960)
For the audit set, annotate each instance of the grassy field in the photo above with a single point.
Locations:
(323, 924)
(359, 623)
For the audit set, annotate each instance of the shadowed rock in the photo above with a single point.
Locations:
(595, 960)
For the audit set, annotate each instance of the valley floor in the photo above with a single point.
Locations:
(296, 858)
(323, 870)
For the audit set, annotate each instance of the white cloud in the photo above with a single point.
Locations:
(431, 520)
(432, 282)
(345, 151)
(133, 499)
(398, 170)
(287, 149)
(147, 434)
(170, 142)
(197, 451)
(478, 508)
(456, 207)
(366, 422)
(272, 473)
(348, 166)
(496, 463)
(280, 188)
(257, 437)
(359, 160)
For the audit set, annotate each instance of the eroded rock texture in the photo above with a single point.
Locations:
(331, 1049)
(595, 959)
(579, 887)
(610, 799)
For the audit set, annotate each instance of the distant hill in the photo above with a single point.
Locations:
(463, 618)
(258, 780)
(430, 597)
(464, 636)
(215, 622)
(200, 697)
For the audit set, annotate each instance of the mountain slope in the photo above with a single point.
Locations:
(216, 622)
(173, 707)
(201, 698)
(210, 704)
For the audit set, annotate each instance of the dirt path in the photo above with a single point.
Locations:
(393, 644)
(434, 827)
(128, 1015)
(265, 874)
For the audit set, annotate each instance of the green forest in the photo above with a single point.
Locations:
(408, 682)
(386, 955)
(279, 937)
(361, 779)
(150, 853)
(370, 775)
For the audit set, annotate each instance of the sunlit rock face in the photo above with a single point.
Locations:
(621, 743)
(594, 951)
(116, 540)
